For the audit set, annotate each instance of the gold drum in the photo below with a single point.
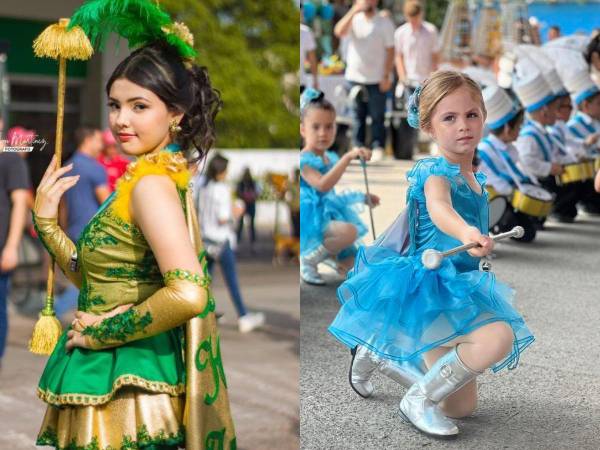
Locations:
(576, 172)
(532, 200)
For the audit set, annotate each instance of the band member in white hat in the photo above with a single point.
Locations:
(539, 154)
(584, 124)
(498, 157)
(584, 128)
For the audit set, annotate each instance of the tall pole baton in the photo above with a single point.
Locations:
(59, 42)
(363, 164)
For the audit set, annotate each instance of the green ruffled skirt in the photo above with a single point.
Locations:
(92, 377)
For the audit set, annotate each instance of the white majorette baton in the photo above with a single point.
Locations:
(432, 258)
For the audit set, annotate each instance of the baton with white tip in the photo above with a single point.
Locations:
(432, 258)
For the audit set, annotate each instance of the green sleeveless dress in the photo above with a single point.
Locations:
(131, 396)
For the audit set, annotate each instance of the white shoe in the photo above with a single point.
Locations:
(378, 154)
(250, 321)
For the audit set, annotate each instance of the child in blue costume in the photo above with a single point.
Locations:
(329, 222)
(457, 319)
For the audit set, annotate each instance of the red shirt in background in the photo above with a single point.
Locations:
(115, 167)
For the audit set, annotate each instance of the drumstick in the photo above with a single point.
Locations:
(363, 164)
(432, 258)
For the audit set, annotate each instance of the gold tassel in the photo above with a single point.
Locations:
(46, 332)
(58, 42)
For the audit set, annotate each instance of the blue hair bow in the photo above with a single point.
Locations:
(413, 108)
(308, 96)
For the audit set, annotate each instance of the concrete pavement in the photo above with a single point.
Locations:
(551, 401)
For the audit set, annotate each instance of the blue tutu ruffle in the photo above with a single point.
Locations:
(399, 309)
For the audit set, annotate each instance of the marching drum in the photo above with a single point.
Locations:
(497, 206)
(532, 200)
(576, 172)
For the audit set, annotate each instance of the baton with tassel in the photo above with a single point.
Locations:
(56, 42)
(363, 164)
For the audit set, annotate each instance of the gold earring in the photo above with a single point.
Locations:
(174, 127)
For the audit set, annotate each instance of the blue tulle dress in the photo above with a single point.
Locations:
(318, 209)
(399, 309)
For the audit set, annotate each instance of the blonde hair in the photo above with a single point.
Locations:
(412, 8)
(438, 86)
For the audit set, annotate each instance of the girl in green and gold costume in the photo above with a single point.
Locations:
(140, 366)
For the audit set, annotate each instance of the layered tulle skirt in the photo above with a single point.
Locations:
(399, 309)
(318, 210)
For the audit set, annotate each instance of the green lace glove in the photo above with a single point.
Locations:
(184, 296)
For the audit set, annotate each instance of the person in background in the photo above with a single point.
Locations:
(417, 47)
(83, 200)
(216, 214)
(293, 201)
(553, 32)
(111, 159)
(14, 194)
(247, 191)
(308, 52)
(369, 64)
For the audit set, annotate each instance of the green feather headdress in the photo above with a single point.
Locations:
(141, 22)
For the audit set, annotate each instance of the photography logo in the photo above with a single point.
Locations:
(22, 144)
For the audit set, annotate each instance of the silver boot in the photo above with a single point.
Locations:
(419, 405)
(309, 263)
(362, 367)
(365, 362)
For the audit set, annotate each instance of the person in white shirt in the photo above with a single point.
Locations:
(369, 63)
(308, 52)
(216, 215)
(417, 46)
(499, 159)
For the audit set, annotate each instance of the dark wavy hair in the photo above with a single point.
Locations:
(159, 68)
(217, 165)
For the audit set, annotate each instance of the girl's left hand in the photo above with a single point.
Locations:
(83, 320)
(486, 243)
(374, 200)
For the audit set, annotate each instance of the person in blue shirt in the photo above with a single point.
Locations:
(83, 200)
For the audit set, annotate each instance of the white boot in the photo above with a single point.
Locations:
(309, 263)
(419, 405)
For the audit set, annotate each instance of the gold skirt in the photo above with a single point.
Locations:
(132, 419)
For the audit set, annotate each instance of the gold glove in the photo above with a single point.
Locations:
(184, 296)
(60, 247)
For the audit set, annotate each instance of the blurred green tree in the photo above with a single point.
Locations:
(435, 11)
(251, 50)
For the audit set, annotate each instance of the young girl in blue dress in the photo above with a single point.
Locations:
(456, 319)
(329, 222)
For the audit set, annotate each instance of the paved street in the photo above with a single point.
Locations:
(261, 367)
(552, 401)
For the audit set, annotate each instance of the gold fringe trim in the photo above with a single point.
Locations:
(58, 42)
(123, 380)
(174, 165)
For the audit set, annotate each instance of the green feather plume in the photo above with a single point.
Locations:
(141, 22)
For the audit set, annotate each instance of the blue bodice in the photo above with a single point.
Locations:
(471, 206)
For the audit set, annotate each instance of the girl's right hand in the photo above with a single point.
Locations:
(51, 189)
(360, 152)
(472, 234)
